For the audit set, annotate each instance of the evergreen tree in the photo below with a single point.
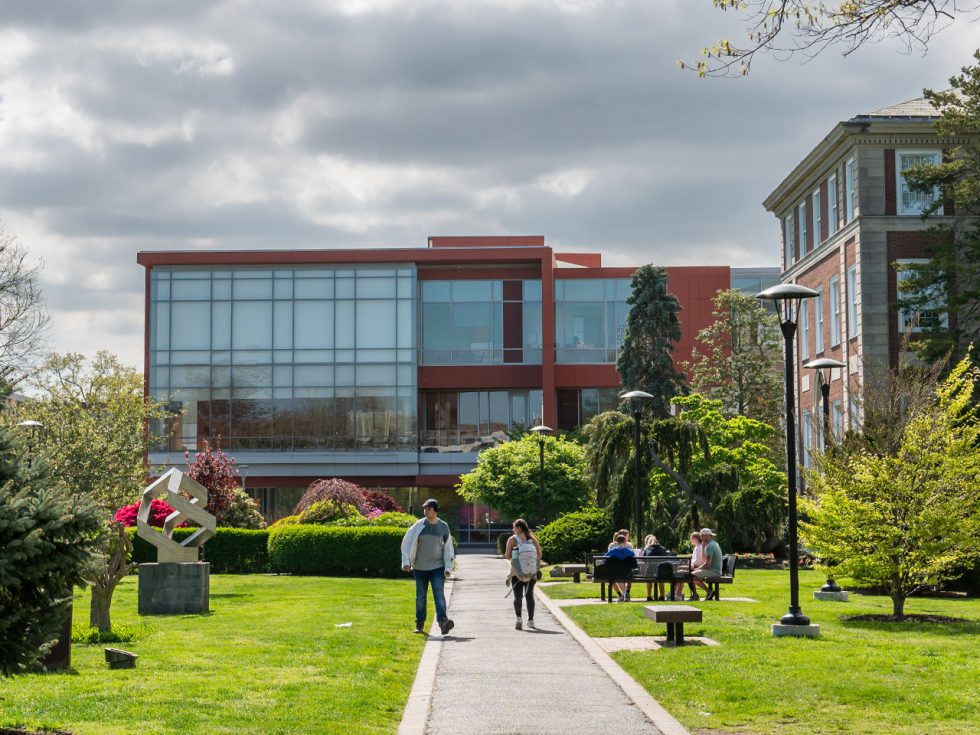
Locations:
(652, 328)
(950, 280)
(47, 539)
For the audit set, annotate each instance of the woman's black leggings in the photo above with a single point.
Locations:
(521, 590)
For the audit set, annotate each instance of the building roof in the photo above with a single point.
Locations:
(918, 108)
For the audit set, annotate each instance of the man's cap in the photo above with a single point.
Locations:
(431, 503)
(707, 532)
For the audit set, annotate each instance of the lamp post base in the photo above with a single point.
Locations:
(796, 631)
(795, 616)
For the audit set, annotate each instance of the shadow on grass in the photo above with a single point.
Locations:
(230, 595)
(961, 627)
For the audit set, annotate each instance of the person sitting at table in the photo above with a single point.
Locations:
(652, 547)
(624, 590)
(622, 552)
(711, 568)
(697, 561)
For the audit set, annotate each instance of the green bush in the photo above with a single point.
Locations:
(371, 551)
(230, 551)
(395, 519)
(574, 534)
(330, 511)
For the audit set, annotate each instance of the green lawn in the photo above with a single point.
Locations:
(858, 677)
(267, 659)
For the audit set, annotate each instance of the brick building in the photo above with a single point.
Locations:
(391, 367)
(847, 216)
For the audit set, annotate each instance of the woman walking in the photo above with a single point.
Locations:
(524, 553)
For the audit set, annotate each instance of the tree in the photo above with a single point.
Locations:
(905, 516)
(950, 279)
(23, 318)
(738, 359)
(507, 477)
(652, 328)
(95, 416)
(47, 539)
(810, 27)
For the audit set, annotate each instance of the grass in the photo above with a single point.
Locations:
(858, 677)
(267, 659)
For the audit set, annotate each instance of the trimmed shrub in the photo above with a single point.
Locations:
(330, 511)
(243, 512)
(396, 519)
(369, 551)
(285, 521)
(339, 491)
(574, 534)
(231, 551)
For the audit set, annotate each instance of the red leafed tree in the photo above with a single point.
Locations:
(339, 491)
(382, 501)
(214, 469)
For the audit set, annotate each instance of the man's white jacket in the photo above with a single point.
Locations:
(410, 545)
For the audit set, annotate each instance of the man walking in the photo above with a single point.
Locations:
(427, 552)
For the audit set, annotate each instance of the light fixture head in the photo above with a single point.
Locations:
(787, 291)
(824, 362)
(541, 429)
(635, 394)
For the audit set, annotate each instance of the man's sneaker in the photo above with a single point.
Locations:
(627, 598)
(518, 625)
(419, 626)
(530, 624)
(446, 625)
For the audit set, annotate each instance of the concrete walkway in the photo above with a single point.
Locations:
(491, 678)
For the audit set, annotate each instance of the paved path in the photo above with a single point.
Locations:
(488, 671)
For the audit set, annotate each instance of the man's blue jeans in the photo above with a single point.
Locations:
(422, 580)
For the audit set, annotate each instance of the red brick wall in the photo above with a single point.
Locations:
(900, 246)
(816, 276)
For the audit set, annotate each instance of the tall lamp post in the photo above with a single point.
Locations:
(541, 430)
(635, 397)
(33, 429)
(819, 365)
(786, 298)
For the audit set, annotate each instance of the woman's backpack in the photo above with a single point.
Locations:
(525, 561)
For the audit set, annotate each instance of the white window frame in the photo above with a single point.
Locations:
(923, 201)
(834, 311)
(815, 203)
(837, 418)
(911, 322)
(807, 437)
(852, 302)
(855, 415)
(850, 189)
(801, 212)
(788, 237)
(804, 320)
(832, 225)
(818, 322)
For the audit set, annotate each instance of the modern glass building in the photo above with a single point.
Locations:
(389, 367)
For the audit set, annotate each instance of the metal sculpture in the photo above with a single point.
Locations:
(169, 485)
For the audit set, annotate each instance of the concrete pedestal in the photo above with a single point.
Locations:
(797, 631)
(174, 589)
(833, 596)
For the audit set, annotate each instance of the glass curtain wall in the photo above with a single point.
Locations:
(590, 319)
(468, 421)
(481, 322)
(576, 407)
(286, 359)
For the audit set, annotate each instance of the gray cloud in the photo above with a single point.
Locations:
(132, 125)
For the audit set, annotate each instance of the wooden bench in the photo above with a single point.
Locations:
(648, 569)
(728, 563)
(569, 570)
(674, 616)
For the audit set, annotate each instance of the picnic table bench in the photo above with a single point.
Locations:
(667, 569)
(674, 616)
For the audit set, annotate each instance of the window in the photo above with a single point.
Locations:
(852, 302)
(803, 228)
(834, 311)
(832, 205)
(914, 202)
(804, 330)
(855, 411)
(816, 218)
(850, 189)
(927, 316)
(818, 318)
(837, 418)
(807, 436)
(788, 243)
(590, 319)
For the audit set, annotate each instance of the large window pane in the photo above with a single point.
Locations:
(252, 325)
(314, 325)
(436, 327)
(472, 327)
(585, 289)
(376, 323)
(191, 326)
(472, 291)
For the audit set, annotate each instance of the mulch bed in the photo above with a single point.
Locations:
(906, 619)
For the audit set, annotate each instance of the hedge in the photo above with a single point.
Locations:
(572, 535)
(230, 551)
(361, 551)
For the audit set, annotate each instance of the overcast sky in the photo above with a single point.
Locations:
(133, 125)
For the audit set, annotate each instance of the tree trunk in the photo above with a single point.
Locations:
(898, 605)
(101, 603)
(115, 567)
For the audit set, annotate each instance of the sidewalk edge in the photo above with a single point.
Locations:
(415, 716)
(654, 711)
